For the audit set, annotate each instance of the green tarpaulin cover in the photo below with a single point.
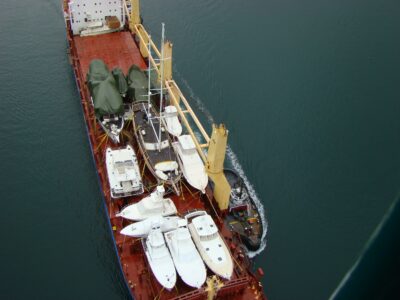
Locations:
(138, 84)
(103, 89)
(98, 71)
(120, 80)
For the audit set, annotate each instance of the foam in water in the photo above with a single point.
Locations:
(236, 165)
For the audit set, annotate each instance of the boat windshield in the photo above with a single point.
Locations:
(209, 237)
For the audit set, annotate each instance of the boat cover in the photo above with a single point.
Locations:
(98, 71)
(103, 89)
(138, 84)
(106, 98)
(120, 80)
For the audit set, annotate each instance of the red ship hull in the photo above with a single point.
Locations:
(120, 50)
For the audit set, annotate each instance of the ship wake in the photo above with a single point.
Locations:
(233, 159)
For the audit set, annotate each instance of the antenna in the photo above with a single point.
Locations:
(161, 83)
(149, 74)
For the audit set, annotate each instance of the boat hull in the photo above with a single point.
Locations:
(244, 219)
(190, 266)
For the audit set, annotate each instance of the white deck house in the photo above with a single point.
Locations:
(123, 172)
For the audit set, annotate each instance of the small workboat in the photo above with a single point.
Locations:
(123, 172)
(151, 206)
(159, 259)
(142, 228)
(172, 123)
(210, 244)
(186, 258)
(190, 162)
(243, 216)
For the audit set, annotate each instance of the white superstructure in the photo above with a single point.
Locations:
(187, 260)
(210, 244)
(123, 172)
(190, 162)
(159, 259)
(142, 228)
(90, 15)
(151, 206)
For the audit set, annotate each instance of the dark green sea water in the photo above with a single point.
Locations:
(309, 90)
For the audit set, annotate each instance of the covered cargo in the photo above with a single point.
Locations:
(98, 72)
(120, 81)
(106, 98)
(138, 84)
(103, 89)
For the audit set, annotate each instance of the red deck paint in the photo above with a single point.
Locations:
(120, 50)
(115, 49)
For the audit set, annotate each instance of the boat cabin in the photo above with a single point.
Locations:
(123, 172)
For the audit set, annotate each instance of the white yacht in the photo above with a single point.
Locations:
(187, 260)
(190, 162)
(142, 228)
(150, 206)
(173, 125)
(210, 244)
(123, 172)
(159, 259)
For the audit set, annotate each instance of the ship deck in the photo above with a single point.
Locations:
(116, 49)
(120, 50)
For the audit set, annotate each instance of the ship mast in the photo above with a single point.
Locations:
(161, 84)
(148, 75)
(148, 110)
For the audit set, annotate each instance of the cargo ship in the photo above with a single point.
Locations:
(166, 197)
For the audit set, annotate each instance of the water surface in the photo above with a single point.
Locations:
(308, 90)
